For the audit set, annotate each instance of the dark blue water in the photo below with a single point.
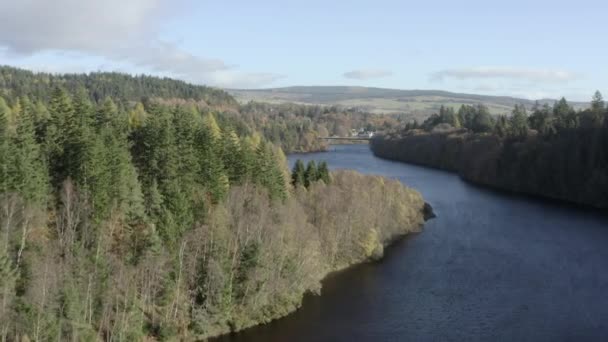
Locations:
(490, 267)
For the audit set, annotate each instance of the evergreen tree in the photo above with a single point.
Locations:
(539, 118)
(598, 108)
(15, 112)
(323, 172)
(211, 124)
(125, 191)
(83, 109)
(4, 111)
(597, 103)
(310, 176)
(268, 173)
(186, 122)
(5, 151)
(298, 173)
(482, 120)
(108, 114)
(233, 156)
(213, 175)
(519, 122)
(60, 136)
(565, 115)
(466, 116)
(95, 177)
(31, 177)
(137, 116)
(502, 126)
(42, 120)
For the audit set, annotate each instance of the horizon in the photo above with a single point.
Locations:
(57, 73)
(518, 49)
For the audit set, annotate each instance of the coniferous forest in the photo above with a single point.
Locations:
(138, 207)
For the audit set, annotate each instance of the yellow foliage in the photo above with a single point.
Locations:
(211, 124)
(370, 242)
(253, 141)
(233, 138)
(137, 116)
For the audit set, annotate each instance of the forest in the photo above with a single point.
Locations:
(554, 151)
(128, 218)
(293, 127)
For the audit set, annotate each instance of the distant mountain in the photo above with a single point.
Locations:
(418, 103)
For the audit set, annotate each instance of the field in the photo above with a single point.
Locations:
(415, 103)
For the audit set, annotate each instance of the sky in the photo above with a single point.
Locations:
(532, 49)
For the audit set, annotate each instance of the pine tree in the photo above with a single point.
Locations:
(96, 178)
(466, 116)
(297, 174)
(565, 115)
(5, 152)
(501, 128)
(213, 175)
(42, 119)
(268, 173)
(597, 109)
(4, 111)
(323, 172)
(60, 136)
(186, 122)
(210, 123)
(108, 114)
(519, 122)
(233, 156)
(15, 112)
(482, 120)
(83, 109)
(310, 176)
(31, 177)
(597, 103)
(124, 189)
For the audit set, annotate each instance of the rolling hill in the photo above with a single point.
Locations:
(417, 103)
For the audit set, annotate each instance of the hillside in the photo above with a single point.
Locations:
(417, 103)
(15, 82)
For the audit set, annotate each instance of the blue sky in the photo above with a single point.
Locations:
(532, 49)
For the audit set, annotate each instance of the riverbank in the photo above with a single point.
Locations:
(323, 229)
(558, 169)
(491, 267)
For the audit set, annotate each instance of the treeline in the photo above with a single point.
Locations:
(306, 175)
(544, 119)
(15, 83)
(296, 128)
(126, 221)
(555, 151)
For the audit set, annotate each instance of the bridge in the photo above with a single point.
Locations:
(346, 138)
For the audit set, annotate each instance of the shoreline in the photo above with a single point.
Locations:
(387, 246)
(454, 164)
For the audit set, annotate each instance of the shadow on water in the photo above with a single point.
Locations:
(491, 267)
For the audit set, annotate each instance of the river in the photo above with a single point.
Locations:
(490, 267)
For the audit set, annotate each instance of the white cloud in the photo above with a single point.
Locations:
(234, 79)
(116, 30)
(527, 74)
(367, 74)
(30, 26)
